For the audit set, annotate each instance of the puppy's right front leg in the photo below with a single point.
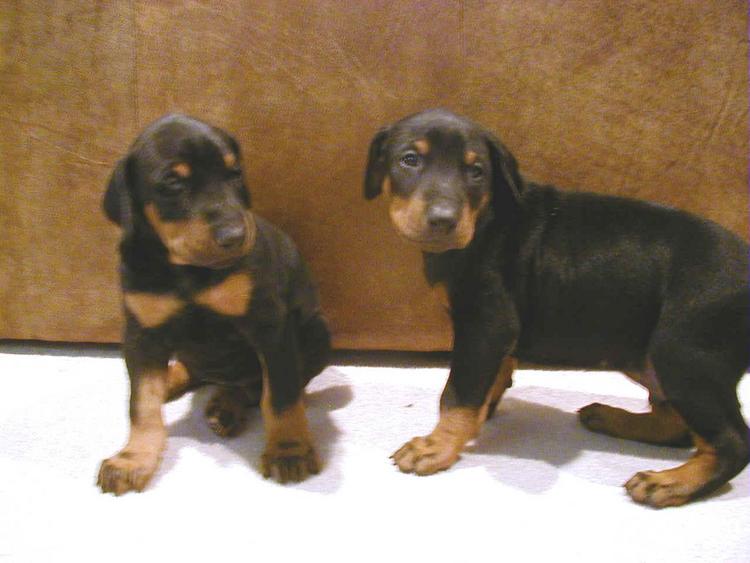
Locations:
(132, 468)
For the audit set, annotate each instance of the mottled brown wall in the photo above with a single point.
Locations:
(648, 99)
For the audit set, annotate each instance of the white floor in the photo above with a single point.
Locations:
(535, 486)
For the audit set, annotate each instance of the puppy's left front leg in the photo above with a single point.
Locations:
(133, 466)
(290, 453)
(481, 370)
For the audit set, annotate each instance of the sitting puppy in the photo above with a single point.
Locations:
(212, 294)
(571, 279)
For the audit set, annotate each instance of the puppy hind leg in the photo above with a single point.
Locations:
(662, 426)
(707, 403)
(503, 382)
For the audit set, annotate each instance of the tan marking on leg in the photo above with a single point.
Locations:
(289, 454)
(132, 468)
(230, 160)
(230, 297)
(457, 426)
(470, 157)
(648, 379)
(422, 146)
(182, 169)
(662, 426)
(677, 486)
(152, 309)
(429, 454)
(503, 381)
(178, 380)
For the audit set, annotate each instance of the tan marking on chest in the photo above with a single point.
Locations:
(151, 309)
(230, 297)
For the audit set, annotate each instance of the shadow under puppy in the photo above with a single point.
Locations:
(571, 279)
(213, 294)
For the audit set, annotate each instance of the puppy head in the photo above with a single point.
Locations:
(441, 172)
(182, 182)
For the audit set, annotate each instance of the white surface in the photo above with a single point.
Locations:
(536, 486)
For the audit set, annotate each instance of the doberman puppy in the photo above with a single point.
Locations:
(571, 279)
(213, 294)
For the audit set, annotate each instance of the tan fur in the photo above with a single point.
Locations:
(230, 297)
(151, 309)
(289, 454)
(663, 425)
(503, 381)
(182, 169)
(422, 146)
(429, 454)
(230, 160)
(455, 428)
(468, 222)
(178, 379)
(133, 466)
(190, 241)
(674, 487)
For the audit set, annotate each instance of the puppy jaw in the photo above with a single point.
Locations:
(408, 215)
(191, 243)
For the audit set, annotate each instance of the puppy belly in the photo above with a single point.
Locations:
(225, 359)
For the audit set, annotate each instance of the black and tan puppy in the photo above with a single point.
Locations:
(212, 294)
(571, 279)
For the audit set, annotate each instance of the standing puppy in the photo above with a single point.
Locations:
(571, 279)
(212, 294)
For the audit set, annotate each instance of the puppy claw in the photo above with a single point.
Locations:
(655, 489)
(425, 456)
(127, 471)
(592, 416)
(291, 462)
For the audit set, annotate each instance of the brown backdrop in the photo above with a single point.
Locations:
(641, 98)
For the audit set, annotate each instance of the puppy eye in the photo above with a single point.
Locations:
(171, 185)
(476, 171)
(411, 160)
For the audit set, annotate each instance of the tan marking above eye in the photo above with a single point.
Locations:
(182, 169)
(422, 146)
(470, 157)
(152, 309)
(230, 160)
(230, 297)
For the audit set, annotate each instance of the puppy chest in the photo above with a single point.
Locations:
(230, 297)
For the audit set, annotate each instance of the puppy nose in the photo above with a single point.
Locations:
(230, 236)
(442, 218)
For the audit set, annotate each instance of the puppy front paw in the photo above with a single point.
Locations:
(426, 455)
(659, 489)
(127, 471)
(290, 461)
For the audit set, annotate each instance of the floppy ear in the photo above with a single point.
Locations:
(507, 183)
(376, 165)
(117, 200)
